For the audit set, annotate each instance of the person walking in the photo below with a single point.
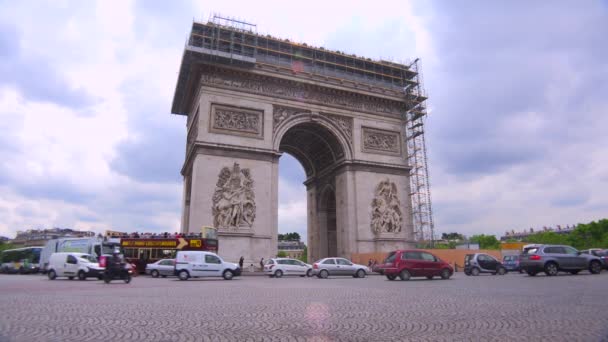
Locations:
(241, 260)
(262, 264)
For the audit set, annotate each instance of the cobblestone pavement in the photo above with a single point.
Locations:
(484, 308)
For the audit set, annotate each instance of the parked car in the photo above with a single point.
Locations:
(163, 268)
(511, 263)
(71, 265)
(557, 258)
(600, 253)
(279, 267)
(338, 266)
(194, 264)
(475, 264)
(414, 263)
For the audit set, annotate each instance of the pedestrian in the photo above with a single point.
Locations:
(262, 264)
(241, 260)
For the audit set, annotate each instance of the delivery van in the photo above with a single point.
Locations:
(73, 265)
(194, 264)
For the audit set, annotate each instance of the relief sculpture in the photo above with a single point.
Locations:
(234, 200)
(381, 141)
(244, 122)
(386, 209)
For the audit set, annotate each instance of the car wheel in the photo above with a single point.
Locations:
(228, 275)
(405, 275)
(502, 271)
(531, 273)
(309, 273)
(154, 274)
(445, 274)
(100, 277)
(551, 269)
(475, 271)
(107, 278)
(82, 276)
(595, 267)
(575, 272)
(360, 274)
(52, 275)
(278, 274)
(323, 274)
(183, 275)
(390, 277)
(467, 273)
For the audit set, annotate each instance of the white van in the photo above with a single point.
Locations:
(203, 264)
(72, 265)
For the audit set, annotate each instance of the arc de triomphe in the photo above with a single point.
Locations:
(249, 98)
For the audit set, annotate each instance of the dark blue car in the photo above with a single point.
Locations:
(511, 263)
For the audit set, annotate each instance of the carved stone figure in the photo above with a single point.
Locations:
(386, 209)
(283, 113)
(345, 124)
(234, 200)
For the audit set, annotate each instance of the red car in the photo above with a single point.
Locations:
(415, 263)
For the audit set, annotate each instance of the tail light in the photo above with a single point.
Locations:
(102, 261)
(535, 257)
(315, 266)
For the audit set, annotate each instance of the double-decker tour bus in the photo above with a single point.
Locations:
(21, 260)
(145, 250)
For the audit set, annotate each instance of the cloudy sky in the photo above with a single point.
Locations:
(516, 136)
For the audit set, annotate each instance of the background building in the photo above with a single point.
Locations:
(39, 237)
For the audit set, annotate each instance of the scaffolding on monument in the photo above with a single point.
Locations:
(420, 194)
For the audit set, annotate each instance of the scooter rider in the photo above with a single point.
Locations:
(115, 264)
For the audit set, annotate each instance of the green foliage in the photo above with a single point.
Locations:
(584, 236)
(452, 236)
(485, 241)
(5, 245)
(281, 254)
(304, 257)
(289, 237)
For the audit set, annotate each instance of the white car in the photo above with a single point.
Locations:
(194, 264)
(279, 267)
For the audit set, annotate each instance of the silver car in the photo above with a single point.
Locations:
(552, 259)
(163, 268)
(338, 266)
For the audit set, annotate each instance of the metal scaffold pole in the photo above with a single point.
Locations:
(420, 189)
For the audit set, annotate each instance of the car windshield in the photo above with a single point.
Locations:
(88, 258)
(391, 257)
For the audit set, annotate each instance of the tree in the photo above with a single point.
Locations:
(304, 257)
(282, 254)
(452, 236)
(485, 241)
(289, 237)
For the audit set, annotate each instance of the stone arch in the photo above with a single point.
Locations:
(313, 119)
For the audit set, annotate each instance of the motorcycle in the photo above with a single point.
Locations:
(121, 273)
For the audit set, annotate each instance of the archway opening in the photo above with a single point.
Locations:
(318, 151)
